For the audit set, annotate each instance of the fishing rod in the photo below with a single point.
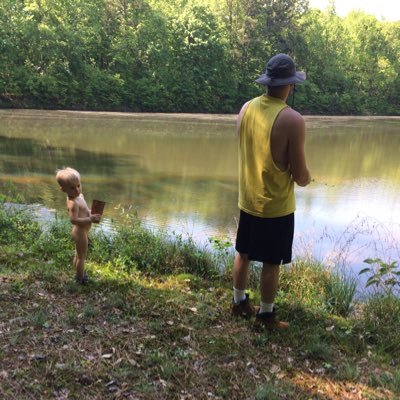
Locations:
(293, 93)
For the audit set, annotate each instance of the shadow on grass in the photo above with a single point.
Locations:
(160, 337)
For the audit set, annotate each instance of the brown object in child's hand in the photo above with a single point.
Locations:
(97, 207)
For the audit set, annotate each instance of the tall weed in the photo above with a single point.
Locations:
(303, 282)
(340, 289)
(315, 286)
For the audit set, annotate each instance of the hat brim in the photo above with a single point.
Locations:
(263, 79)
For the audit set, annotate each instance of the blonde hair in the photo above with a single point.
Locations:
(66, 175)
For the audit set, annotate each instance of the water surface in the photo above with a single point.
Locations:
(180, 173)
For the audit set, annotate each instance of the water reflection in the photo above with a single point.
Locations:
(181, 172)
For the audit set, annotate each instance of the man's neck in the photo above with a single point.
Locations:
(279, 92)
(283, 98)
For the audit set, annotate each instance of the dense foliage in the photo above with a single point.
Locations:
(192, 56)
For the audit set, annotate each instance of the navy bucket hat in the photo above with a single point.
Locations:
(281, 71)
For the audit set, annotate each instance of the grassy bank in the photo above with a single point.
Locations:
(155, 324)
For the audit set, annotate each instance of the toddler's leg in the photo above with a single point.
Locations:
(75, 260)
(81, 247)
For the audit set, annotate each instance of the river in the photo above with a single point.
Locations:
(179, 172)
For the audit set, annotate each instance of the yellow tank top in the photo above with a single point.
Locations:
(264, 189)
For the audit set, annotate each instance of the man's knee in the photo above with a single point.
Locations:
(242, 258)
(271, 268)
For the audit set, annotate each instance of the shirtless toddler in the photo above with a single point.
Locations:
(79, 215)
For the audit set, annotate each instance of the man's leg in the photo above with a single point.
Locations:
(269, 283)
(241, 305)
(240, 272)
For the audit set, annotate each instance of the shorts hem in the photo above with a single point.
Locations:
(261, 259)
(260, 215)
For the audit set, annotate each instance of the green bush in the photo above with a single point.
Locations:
(54, 242)
(17, 226)
(10, 194)
(385, 276)
(158, 253)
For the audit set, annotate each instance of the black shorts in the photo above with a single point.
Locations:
(268, 240)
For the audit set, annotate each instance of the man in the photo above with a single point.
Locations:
(271, 159)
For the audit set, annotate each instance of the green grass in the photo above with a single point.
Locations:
(272, 391)
(155, 324)
(381, 322)
(312, 285)
(388, 380)
(317, 349)
(349, 372)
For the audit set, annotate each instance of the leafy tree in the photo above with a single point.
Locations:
(192, 55)
(198, 78)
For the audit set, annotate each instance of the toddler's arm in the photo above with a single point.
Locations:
(95, 218)
(73, 211)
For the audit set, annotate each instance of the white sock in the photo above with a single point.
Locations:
(238, 295)
(266, 307)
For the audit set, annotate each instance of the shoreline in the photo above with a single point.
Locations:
(173, 116)
(155, 320)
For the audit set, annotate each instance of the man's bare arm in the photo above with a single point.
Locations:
(296, 133)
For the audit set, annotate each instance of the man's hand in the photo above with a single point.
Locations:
(304, 180)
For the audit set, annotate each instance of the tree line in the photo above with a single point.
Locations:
(192, 55)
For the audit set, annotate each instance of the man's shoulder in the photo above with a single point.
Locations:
(290, 115)
(289, 120)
